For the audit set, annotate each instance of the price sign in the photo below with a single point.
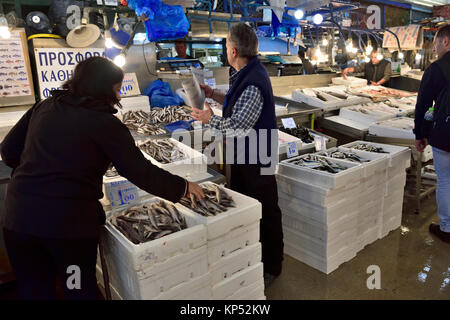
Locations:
(122, 193)
(210, 82)
(291, 149)
(288, 123)
(320, 142)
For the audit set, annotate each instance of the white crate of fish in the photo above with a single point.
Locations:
(235, 262)
(369, 236)
(371, 162)
(239, 280)
(327, 215)
(398, 155)
(316, 195)
(405, 105)
(114, 293)
(137, 103)
(142, 254)
(349, 81)
(251, 292)
(325, 265)
(327, 98)
(234, 241)
(284, 139)
(369, 113)
(198, 288)
(400, 128)
(222, 210)
(174, 156)
(321, 171)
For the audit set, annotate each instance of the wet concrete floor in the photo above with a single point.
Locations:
(414, 265)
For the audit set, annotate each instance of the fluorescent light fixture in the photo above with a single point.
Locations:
(299, 14)
(120, 60)
(318, 18)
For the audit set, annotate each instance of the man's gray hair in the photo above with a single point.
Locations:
(244, 40)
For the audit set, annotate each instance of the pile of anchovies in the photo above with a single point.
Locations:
(139, 121)
(318, 163)
(169, 114)
(216, 201)
(149, 221)
(300, 132)
(369, 148)
(346, 155)
(163, 150)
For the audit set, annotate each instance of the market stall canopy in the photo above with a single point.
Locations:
(410, 37)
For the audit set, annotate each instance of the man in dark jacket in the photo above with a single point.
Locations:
(249, 107)
(377, 71)
(434, 81)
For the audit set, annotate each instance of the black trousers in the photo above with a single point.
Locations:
(38, 262)
(247, 179)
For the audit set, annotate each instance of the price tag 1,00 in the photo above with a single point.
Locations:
(291, 149)
(122, 193)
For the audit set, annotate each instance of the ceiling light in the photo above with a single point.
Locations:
(401, 55)
(120, 60)
(299, 14)
(318, 18)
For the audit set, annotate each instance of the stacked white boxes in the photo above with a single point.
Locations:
(328, 218)
(233, 249)
(171, 267)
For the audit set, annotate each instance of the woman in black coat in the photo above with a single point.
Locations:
(59, 151)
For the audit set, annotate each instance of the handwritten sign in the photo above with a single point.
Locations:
(130, 86)
(121, 193)
(320, 142)
(55, 65)
(291, 149)
(210, 82)
(288, 123)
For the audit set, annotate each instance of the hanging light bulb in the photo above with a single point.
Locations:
(418, 56)
(108, 40)
(299, 14)
(120, 60)
(401, 55)
(349, 46)
(369, 49)
(4, 29)
(324, 42)
(354, 50)
(366, 59)
(318, 18)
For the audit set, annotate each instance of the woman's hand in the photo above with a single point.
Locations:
(195, 190)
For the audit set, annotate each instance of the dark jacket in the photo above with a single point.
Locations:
(255, 74)
(60, 150)
(433, 82)
(375, 72)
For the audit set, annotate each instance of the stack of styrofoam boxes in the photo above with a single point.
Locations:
(172, 267)
(394, 187)
(234, 250)
(320, 213)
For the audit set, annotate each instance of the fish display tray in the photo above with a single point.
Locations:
(194, 164)
(246, 212)
(198, 288)
(396, 183)
(368, 118)
(253, 291)
(377, 162)
(353, 82)
(368, 237)
(239, 280)
(141, 256)
(316, 195)
(391, 129)
(324, 249)
(392, 224)
(235, 240)
(137, 103)
(333, 103)
(284, 139)
(321, 178)
(392, 199)
(235, 262)
(348, 123)
(397, 154)
(324, 265)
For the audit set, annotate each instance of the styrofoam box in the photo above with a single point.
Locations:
(378, 161)
(387, 129)
(368, 237)
(235, 262)
(137, 103)
(321, 178)
(395, 210)
(317, 230)
(234, 240)
(284, 138)
(395, 197)
(349, 123)
(350, 81)
(327, 215)
(196, 289)
(250, 292)
(140, 256)
(114, 293)
(390, 225)
(375, 193)
(246, 212)
(324, 265)
(239, 280)
(365, 118)
(397, 182)
(316, 195)
(194, 163)
(159, 278)
(324, 249)
(105, 200)
(397, 154)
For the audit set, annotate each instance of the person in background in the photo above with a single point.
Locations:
(377, 72)
(435, 81)
(307, 67)
(180, 48)
(59, 151)
(249, 104)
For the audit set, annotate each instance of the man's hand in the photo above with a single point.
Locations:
(373, 83)
(195, 190)
(202, 115)
(421, 144)
(208, 90)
